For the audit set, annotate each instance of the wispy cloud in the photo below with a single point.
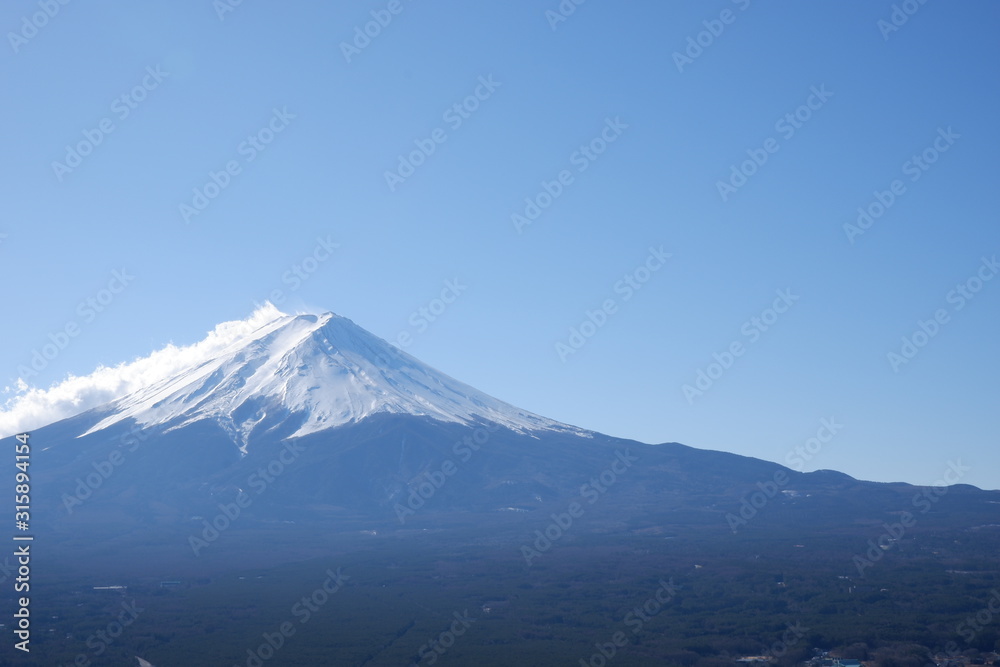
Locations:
(31, 407)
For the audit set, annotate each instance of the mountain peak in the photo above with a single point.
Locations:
(315, 372)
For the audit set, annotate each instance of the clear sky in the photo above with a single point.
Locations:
(215, 153)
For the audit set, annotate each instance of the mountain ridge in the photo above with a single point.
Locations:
(378, 425)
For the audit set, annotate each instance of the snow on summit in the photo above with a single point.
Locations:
(33, 407)
(323, 369)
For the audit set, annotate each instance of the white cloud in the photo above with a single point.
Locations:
(31, 407)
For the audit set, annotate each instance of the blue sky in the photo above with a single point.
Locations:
(827, 104)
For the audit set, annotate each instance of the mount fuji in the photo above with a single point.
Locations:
(318, 373)
(323, 420)
(218, 483)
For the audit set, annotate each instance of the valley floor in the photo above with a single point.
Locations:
(354, 593)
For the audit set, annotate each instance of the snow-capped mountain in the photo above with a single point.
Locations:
(410, 479)
(312, 417)
(318, 372)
